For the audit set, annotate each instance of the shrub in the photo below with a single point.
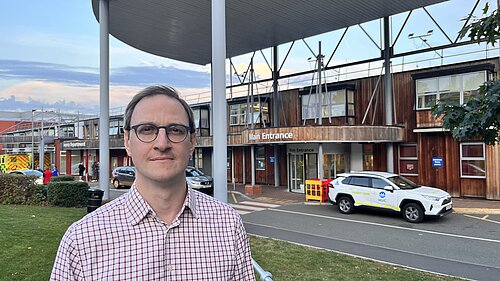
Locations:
(67, 193)
(62, 178)
(20, 189)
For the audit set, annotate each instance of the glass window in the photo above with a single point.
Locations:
(198, 158)
(472, 160)
(260, 158)
(379, 183)
(360, 181)
(451, 89)
(408, 159)
(333, 104)
(238, 113)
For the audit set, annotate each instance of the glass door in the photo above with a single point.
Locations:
(296, 173)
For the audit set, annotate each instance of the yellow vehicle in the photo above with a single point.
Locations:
(13, 162)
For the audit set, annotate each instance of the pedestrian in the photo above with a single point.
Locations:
(165, 229)
(47, 174)
(81, 169)
(55, 171)
(95, 171)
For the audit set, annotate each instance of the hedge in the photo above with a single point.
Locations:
(67, 193)
(21, 189)
(62, 178)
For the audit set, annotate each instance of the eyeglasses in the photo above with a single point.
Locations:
(148, 132)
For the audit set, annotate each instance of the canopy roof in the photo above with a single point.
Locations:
(180, 29)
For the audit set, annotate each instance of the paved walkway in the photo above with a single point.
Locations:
(280, 195)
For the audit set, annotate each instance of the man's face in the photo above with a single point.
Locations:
(160, 161)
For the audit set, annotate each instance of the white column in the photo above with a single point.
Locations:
(219, 98)
(104, 98)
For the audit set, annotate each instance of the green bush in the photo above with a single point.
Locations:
(67, 193)
(20, 189)
(62, 178)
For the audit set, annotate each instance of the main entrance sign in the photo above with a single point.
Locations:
(270, 136)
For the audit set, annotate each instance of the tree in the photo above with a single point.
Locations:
(479, 117)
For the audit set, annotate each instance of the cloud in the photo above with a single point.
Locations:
(140, 76)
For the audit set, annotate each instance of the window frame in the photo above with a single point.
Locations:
(327, 107)
(438, 92)
(483, 158)
(260, 158)
(407, 158)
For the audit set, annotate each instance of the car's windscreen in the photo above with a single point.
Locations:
(193, 173)
(402, 182)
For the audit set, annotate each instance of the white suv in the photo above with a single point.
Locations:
(388, 191)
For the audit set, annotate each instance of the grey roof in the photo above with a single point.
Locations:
(180, 29)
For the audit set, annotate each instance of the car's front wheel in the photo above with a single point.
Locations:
(413, 212)
(345, 205)
(116, 184)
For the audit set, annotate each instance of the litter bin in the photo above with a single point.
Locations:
(94, 199)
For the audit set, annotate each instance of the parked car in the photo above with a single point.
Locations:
(388, 191)
(125, 176)
(199, 181)
(37, 174)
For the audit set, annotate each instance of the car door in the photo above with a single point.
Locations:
(361, 190)
(129, 176)
(383, 198)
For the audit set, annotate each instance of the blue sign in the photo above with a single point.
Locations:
(381, 194)
(437, 162)
(271, 159)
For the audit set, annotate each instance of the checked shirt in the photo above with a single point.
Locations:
(125, 240)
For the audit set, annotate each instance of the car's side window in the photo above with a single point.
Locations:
(346, 180)
(360, 181)
(379, 183)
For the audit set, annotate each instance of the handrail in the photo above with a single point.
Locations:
(264, 275)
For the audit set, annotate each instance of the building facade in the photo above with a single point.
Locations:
(321, 133)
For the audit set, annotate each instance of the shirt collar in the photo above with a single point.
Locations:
(137, 208)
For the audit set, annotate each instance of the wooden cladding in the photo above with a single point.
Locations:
(324, 134)
(425, 119)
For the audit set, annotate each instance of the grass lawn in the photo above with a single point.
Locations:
(30, 235)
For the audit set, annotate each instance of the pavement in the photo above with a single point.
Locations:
(280, 195)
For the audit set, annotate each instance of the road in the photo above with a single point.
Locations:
(457, 245)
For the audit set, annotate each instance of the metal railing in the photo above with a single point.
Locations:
(264, 275)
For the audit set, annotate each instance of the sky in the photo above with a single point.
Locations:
(49, 55)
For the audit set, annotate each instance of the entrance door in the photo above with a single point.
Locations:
(296, 172)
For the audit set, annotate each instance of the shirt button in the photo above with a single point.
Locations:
(170, 267)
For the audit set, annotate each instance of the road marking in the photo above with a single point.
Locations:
(260, 204)
(485, 218)
(234, 198)
(389, 226)
(246, 207)
(365, 244)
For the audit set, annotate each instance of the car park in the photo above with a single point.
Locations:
(388, 191)
(124, 177)
(37, 174)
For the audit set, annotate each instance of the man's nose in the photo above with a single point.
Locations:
(162, 141)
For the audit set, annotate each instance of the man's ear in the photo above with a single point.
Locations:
(126, 142)
(193, 142)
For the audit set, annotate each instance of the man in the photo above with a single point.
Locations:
(160, 229)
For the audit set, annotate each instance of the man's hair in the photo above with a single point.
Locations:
(155, 91)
